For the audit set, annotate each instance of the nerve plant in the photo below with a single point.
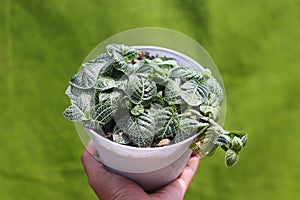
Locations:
(134, 98)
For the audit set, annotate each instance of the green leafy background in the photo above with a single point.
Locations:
(255, 44)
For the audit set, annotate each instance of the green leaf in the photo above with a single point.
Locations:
(127, 68)
(210, 111)
(194, 93)
(105, 83)
(236, 144)
(208, 143)
(74, 93)
(122, 55)
(188, 127)
(87, 77)
(244, 139)
(166, 123)
(159, 75)
(140, 89)
(216, 96)
(103, 112)
(119, 136)
(167, 64)
(80, 105)
(137, 110)
(143, 68)
(140, 129)
(172, 92)
(122, 50)
(231, 158)
(185, 73)
(238, 133)
(103, 96)
(222, 139)
(73, 113)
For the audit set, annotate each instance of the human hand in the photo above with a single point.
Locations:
(110, 186)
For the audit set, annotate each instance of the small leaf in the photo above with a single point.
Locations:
(122, 50)
(73, 113)
(103, 112)
(127, 68)
(238, 133)
(140, 89)
(172, 92)
(191, 126)
(185, 73)
(222, 139)
(137, 110)
(80, 105)
(74, 93)
(210, 111)
(216, 91)
(208, 143)
(188, 128)
(159, 75)
(105, 83)
(158, 100)
(231, 158)
(142, 68)
(236, 144)
(87, 77)
(119, 136)
(94, 125)
(166, 123)
(244, 139)
(194, 93)
(131, 54)
(140, 130)
(167, 63)
(103, 96)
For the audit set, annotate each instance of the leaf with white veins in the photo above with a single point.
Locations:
(194, 93)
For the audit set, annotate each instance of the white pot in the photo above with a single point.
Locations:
(151, 168)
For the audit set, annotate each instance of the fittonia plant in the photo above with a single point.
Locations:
(140, 100)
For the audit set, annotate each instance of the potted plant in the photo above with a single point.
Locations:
(145, 108)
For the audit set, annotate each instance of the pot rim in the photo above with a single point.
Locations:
(145, 148)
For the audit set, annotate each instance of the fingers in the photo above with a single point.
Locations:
(91, 148)
(177, 188)
(189, 172)
(93, 168)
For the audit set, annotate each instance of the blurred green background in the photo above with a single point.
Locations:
(255, 45)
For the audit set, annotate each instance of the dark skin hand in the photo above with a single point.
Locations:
(111, 186)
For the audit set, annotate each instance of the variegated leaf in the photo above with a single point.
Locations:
(87, 77)
(140, 130)
(140, 89)
(194, 93)
(216, 91)
(185, 73)
(172, 92)
(119, 136)
(79, 106)
(210, 111)
(166, 123)
(231, 158)
(236, 144)
(137, 110)
(105, 83)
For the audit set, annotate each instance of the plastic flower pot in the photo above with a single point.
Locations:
(154, 167)
(151, 168)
